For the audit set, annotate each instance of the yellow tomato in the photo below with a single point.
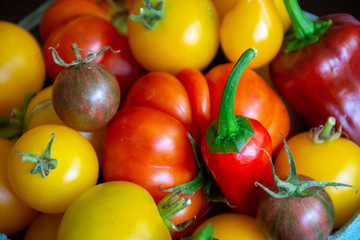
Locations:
(252, 24)
(44, 227)
(22, 68)
(336, 161)
(188, 36)
(14, 214)
(230, 226)
(40, 111)
(77, 168)
(113, 210)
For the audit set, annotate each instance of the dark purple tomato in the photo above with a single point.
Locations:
(86, 96)
(296, 218)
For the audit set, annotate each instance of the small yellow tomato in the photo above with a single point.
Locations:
(14, 214)
(22, 68)
(44, 227)
(230, 226)
(252, 24)
(64, 172)
(336, 161)
(188, 36)
(113, 210)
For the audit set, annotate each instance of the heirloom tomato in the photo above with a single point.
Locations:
(44, 227)
(113, 210)
(332, 161)
(65, 166)
(62, 10)
(176, 42)
(230, 226)
(94, 33)
(22, 68)
(15, 215)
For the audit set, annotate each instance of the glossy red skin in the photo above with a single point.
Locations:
(296, 218)
(92, 32)
(236, 173)
(86, 96)
(323, 79)
(254, 99)
(148, 147)
(197, 88)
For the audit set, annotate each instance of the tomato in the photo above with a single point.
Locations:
(230, 226)
(336, 161)
(44, 227)
(113, 210)
(252, 24)
(15, 215)
(254, 99)
(62, 10)
(40, 111)
(176, 42)
(53, 190)
(94, 33)
(22, 67)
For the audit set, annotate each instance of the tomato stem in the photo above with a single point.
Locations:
(293, 187)
(43, 164)
(230, 133)
(150, 14)
(305, 31)
(326, 133)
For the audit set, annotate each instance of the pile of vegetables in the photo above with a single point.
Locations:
(167, 119)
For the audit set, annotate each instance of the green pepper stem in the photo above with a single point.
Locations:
(305, 31)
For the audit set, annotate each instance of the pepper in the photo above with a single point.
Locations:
(317, 70)
(231, 148)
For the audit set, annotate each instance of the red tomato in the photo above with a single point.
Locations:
(94, 33)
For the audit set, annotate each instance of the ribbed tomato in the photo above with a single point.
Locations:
(86, 96)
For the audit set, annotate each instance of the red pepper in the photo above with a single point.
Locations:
(231, 148)
(318, 69)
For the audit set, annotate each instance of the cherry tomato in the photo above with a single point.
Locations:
(62, 10)
(252, 24)
(176, 42)
(44, 227)
(336, 161)
(22, 67)
(230, 226)
(113, 210)
(15, 215)
(94, 33)
(54, 189)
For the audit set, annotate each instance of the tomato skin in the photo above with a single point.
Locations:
(15, 215)
(230, 226)
(62, 10)
(160, 151)
(44, 227)
(113, 210)
(336, 161)
(22, 68)
(176, 42)
(77, 169)
(252, 24)
(254, 99)
(92, 32)
(296, 218)
(86, 96)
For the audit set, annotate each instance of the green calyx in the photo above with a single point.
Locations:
(230, 133)
(305, 31)
(205, 233)
(179, 196)
(326, 133)
(12, 128)
(293, 187)
(150, 14)
(78, 59)
(44, 163)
